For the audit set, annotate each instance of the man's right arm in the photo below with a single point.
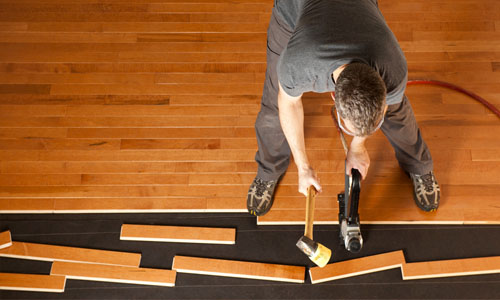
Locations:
(291, 114)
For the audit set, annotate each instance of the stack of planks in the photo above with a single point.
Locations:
(97, 100)
(78, 263)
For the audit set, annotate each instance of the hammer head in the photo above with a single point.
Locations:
(318, 253)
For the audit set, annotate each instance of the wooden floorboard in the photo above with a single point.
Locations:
(45, 252)
(356, 267)
(178, 234)
(5, 239)
(149, 106)
(241, 269)
(32, 282)
(449, 268)
(118, 274)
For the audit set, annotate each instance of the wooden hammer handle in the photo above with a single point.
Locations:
(311, 194)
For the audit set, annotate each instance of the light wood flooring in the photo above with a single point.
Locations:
(149, 106)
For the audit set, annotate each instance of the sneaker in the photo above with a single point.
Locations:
(426, 191)
(260, 196)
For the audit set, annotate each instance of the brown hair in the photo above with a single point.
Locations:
(360, 97)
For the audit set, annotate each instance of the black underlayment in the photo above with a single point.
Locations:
(271, 244)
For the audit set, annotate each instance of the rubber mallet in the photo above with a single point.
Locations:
(318, 253)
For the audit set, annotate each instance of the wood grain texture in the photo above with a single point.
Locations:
(178, 234)
(31, 282)
(149, 106)
(448, 268)
(5, 239)
(119, 274)
(241, 269)
(63, 253)
(356, 267)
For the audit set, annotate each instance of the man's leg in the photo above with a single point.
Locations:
(412, 153)
(274, 153)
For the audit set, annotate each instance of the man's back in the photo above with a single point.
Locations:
(330, 33)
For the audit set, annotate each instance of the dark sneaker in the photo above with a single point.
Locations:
(260, 196)
(426, 191)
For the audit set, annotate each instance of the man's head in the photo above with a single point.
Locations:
(360, 98)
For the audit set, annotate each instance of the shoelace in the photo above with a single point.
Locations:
(428, 182)
(262, 185)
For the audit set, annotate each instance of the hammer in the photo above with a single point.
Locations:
(318, 253)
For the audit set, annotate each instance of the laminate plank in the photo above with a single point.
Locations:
(26, 206)
(134, 17)
(170, 144)
(5, 239)
(58, 144)
(33, 133)
(178, 234)
(148, 133)
(31, 282)
(136, 67)
(67, 37)
(24, 89)
(241, 269)
(134, 179)
(449, 268)
(486, 155)
(441, 26)
(72, 254)
(186, 47)
(91, 167)
(356, 267)
(455, 35)
(40, 180)
(32, 110)
(447, 66)
(118, 274)
(209, 8)
(82, 100)
(31, 56)
(17, 78)
(107, 205)
(155, 89)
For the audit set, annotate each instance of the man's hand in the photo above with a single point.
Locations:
(307, 177)
(357, 157)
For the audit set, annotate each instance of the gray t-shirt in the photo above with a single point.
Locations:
(330, 33)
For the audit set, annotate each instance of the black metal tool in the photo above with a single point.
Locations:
(350, 232)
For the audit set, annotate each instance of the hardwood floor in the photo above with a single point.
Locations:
(149, 105)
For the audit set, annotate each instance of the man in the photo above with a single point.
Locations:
(343, 46)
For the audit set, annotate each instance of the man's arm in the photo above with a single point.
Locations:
(291, 114)
(357, 157)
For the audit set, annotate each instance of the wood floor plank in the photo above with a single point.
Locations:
(63, 253)
(241, 269)
(5, 239)
(28, 206)
(356, 267)
(119, 274)
(449, 268)
(178, 234)
(31, 282)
